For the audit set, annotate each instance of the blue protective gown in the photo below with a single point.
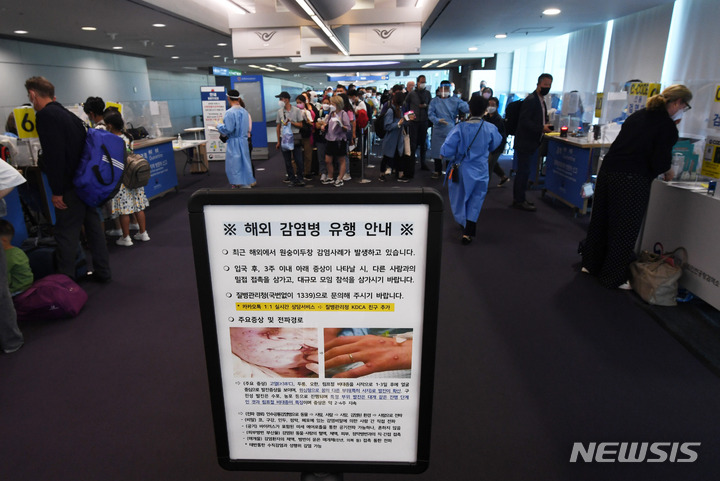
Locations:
(447, 109)
(467, 195)
(238, 168)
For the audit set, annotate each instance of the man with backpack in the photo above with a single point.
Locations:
(531, 125)
(62, 139)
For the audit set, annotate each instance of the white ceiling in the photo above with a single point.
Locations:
(196, 27)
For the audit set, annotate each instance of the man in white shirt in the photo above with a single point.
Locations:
(289, 115)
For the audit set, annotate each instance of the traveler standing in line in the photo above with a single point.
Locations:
(494, 118)
(319, 137)
(62, 138)
(127, 201)
(352, 135)
(641, 152)
(11, 339)
(532, 124)
(236, 125)
(393, 146)
(306, 133)
(442, 112)
(336, 134)
(94, 107)
(469, 144)
(418, 101)
(289, 114)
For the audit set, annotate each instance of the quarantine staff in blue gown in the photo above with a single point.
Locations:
(236, 123)
(469, 144)
(442, 112)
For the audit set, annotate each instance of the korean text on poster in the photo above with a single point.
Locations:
(319, 315)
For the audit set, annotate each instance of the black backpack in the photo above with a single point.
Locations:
(512, 116)
(379, 122)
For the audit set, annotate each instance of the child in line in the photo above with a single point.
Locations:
(19, 274)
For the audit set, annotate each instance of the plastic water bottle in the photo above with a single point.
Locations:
(179, 139)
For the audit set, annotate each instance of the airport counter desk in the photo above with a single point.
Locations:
(682, 214)
(570, 163)
(159, 152)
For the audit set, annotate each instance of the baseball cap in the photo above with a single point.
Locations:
(283, 95)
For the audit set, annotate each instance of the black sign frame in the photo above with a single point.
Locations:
(273, 197)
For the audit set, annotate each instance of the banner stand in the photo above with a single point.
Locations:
(319, 319)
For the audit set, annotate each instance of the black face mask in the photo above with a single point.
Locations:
(544, 91)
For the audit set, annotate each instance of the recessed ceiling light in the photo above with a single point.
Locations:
(89, 29)
(20, 32)
(551, 11)
(472, 49)
(174, 57)
(501, 35)
(159, 25)
(217, 56)
(117, 48)
(222, 44)
(170, 46)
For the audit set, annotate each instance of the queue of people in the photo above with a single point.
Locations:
(62, 139)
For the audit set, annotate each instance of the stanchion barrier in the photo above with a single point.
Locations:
(364, 146)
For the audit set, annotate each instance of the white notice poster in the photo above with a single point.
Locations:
(214, 107)
(319, 317)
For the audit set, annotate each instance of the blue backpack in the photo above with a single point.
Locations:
(100, 171)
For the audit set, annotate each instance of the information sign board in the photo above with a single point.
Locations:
(319, 314)
(214, 107)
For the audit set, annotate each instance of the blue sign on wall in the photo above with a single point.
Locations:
(163, 176)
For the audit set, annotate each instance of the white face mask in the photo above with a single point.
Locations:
(333, 108)
(678, 115)
(486, 95)
(326, 106)
(281, 103)
(444, 94)
(491, 110)
(421, 86)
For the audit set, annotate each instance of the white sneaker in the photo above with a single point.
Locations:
(113, 232)
(134, 227)
(346, 177)
(323, 178)
(124, 241)
(625, 286)
(142, 236)
(584, 270)
(339, 183)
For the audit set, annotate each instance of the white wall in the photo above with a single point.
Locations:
(77, 74)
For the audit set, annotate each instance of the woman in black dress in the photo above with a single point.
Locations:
(641, 152)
